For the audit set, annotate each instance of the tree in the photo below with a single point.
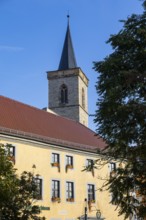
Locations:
(17, 194)
(121, 113)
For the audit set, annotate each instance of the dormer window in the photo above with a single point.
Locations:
(64, 94)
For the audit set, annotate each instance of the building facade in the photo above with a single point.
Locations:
(59, 147)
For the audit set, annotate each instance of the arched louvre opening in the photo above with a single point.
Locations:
(64, 94)
(83, 98)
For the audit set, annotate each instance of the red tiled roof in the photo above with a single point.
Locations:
(25, 121)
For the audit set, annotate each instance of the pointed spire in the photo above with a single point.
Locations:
(68, 59)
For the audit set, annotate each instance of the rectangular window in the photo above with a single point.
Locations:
(70, 191)
(55, 189)
(91, 192)
(38, 183)
(10, 152)
(112, 166)
(55, 158)
(69, 160)
(90, 166)
(89, 162)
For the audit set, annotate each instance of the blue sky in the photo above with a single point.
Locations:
(32, 33)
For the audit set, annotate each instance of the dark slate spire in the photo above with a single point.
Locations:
(68, 59)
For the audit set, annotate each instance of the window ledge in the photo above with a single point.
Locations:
(56, 199)
(70, 200)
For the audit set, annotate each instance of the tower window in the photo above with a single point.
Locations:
(83, 98)
(64, 94)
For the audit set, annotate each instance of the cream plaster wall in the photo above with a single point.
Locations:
(29, 153)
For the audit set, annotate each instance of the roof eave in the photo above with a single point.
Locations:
(49, 140)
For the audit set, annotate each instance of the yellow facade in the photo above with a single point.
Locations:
(29, 153)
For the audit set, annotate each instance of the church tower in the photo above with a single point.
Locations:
(68, 86)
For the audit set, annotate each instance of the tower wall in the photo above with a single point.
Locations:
(75, 81)
(83, 110)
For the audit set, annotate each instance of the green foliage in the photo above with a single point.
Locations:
(16, 193)
(121, 112)
(144, 4)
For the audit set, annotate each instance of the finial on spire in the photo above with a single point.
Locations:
(68, 17)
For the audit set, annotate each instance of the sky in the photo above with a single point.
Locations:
(32, 34)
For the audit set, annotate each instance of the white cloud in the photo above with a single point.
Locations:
(10, 48)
